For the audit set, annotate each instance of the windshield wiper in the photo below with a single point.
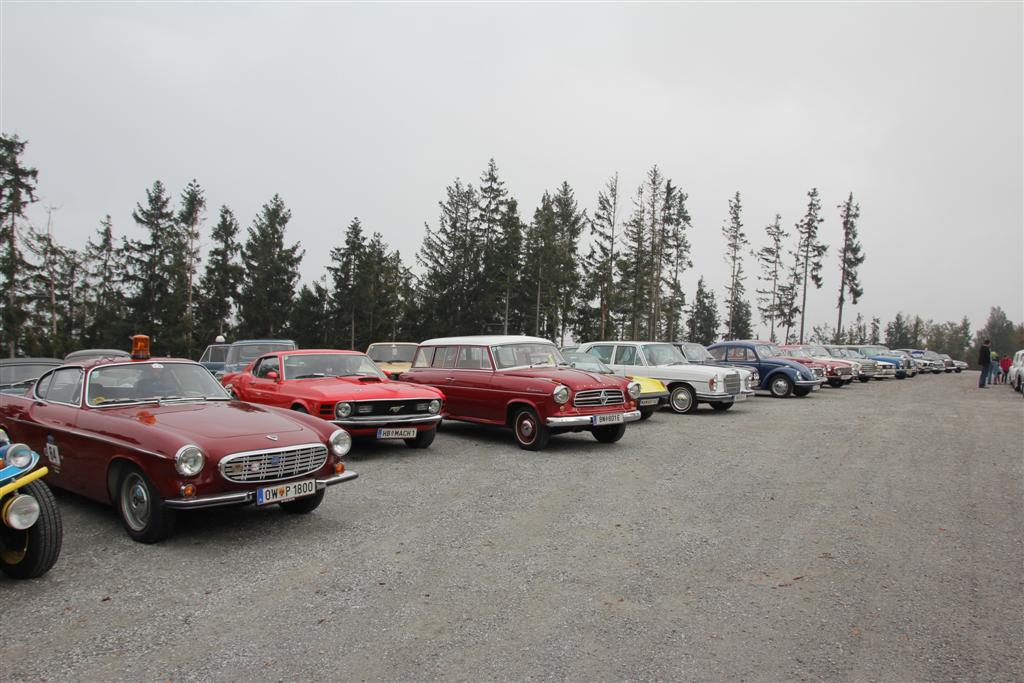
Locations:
(312, 374)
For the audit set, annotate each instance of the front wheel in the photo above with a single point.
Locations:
(303, 506)
(801, 391)
(864, 379)
(683, 400)
(142, 510)
(721, 406)
(29, 553)
(780, 386)
(646, 414)
(609, 434)
(531, 434)
(422, 439)
(835, 383)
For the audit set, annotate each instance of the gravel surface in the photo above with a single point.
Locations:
(874, 532)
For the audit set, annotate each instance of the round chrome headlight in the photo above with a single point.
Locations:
(434, 407)
(189, 461)
(343, 409)
(21, 512)
(341, 443)
(634, 390)
(561, 393)
(18, 455)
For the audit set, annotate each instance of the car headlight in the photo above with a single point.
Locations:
(713, 383)
(341, 443)
(634, 389)
(21, 512)
(434, 407)
(3, 437)
(18, 455)
(189, 461)
(343, 409)
(561, 393)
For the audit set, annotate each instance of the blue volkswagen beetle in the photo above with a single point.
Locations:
(779, 376)
(30, 529)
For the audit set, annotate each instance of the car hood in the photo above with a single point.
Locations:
(687, 371)
(354, 389)
(809, 362)
(212, 419)
(571, 377)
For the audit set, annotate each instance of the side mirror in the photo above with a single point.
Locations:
(272, 376)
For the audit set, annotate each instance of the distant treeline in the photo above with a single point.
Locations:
(482, 268)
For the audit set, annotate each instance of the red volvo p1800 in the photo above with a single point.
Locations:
(157, 435)
(344, 387)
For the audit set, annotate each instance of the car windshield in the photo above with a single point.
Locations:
(156, 381)
(310, 365)
(663, 354)
(798, 353)
(391, 353)
(875, 351)
(215, 353)
(526, 354)
(768, 351)
(852, 353)
(817, 351)
(695, 353)
(584, 361)
(244, 353)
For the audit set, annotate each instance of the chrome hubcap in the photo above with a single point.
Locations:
(526, 429)
(779, 386)
(135, 502)
(681, 400)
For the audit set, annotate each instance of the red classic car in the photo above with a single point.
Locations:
(837, 372)
(344, 387)
(523, 383)
(153, 436)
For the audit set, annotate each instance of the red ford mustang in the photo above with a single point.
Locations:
(157, 435)
(344, 387)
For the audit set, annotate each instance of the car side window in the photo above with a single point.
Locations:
(737, 353)
(602, 352)
(267, 365)
(473, 358)
(65, 386)
(717, 354)
(423, 357)
(444, 357)
(625, 355)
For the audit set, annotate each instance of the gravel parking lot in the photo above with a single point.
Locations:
(874, 532)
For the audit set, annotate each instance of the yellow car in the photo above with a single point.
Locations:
(393, 358)
(653, 394)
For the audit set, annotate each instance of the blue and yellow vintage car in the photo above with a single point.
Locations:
(31, 532)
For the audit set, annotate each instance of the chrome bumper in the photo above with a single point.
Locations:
(381, 420)
(242, 497)
(717, 398)
(584, 420)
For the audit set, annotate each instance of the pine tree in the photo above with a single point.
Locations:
(348, 284)
(569, 224)
(17, 191)
(850, 259)
(270, 273)
(789, 291)
(106, 307)
(897, 334)
(219, 285)
(538, 276)
(599, 267)
(507, 269)
(876, 331)
(858, 333)
(810, 251)
(677, 261)
(190, 216)
(635, 266)
(735, 241)
(770, 258)
(494, 288)
(702, 325)
(307, 317)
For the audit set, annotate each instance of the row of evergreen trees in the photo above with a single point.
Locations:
(483, 269)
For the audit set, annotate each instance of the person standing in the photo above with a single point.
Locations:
(984, 360)
(993, 377)
(1004, 365)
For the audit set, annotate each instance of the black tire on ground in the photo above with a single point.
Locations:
(422, 439)
(31, 553)
(303, 506)
(142, 510)
(780, 386)
(609, 434)
(531, 434)
(646, 414)
(848, 381)
(801, 391)
(721, 406)
(864, 379)
(836, 383)
(958, 371)
(683, 399)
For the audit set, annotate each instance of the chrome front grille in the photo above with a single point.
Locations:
(843, 371)
(599, 397)
(273, 464)
(732, 383)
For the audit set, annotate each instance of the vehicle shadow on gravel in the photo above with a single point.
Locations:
(502, 440)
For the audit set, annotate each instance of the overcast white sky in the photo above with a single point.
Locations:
(370, 110)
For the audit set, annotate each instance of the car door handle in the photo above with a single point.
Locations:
(449, 379)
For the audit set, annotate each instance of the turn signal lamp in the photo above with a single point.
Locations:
(339, 467)
(140, 347)
(188, 490)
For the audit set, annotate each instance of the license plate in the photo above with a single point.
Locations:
(606, 419)
(816, 387)
(740, 397)
(396, 433)
(285, 492)
(649, 401)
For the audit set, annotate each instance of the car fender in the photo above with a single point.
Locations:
(514, 404)
(144, 462)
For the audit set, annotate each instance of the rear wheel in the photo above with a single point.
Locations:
(683, 399)
(303, 506)
(721, 406)
(609, 434)
(422, 439)
(835, 382)
(531, 434)
(142, 510)
(780, 386)
(29, 553)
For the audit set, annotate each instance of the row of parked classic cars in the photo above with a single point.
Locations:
(261, 421)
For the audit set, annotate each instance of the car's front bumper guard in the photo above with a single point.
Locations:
(241, 497)
(383, 420)
(717, 398)
(23, 481)
(585, 421)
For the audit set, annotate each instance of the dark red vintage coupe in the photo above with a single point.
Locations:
(344, 387)
(153, 436)
(524, 383)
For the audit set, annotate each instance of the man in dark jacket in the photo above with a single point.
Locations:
(984, 358)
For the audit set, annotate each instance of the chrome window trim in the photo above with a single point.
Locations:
(35, 387)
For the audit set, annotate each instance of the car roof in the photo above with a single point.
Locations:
(485, 340)
(90, 363)
(107, 353)
(306, 352)
(394, 344)
(261, 341)
(30, 361)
